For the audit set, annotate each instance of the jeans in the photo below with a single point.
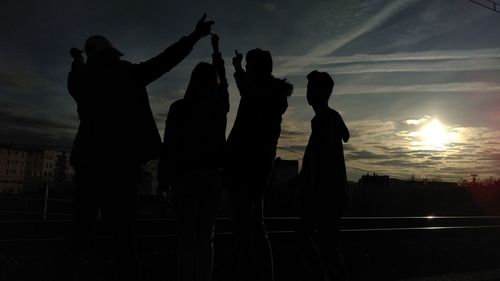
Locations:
(318, 235)
(254, 260)
(196, 200)
(114, 193)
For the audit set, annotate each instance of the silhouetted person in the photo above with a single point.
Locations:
(323, 183)
(191, 163)
(117, 133)
(251, 148)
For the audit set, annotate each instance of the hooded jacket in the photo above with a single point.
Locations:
(251, 145)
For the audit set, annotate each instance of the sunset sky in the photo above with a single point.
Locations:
(417, 82)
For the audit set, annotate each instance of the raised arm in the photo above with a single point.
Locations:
(76, 75)
(154, 68)
(240, 74)
(218, 63)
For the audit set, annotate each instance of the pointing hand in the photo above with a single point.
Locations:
(76, 54)
(203, 26)
(237, 59)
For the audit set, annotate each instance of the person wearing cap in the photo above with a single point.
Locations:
(117, 133)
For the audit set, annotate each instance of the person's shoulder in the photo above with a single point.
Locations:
(125, 62)
(334, 114)
(328, 113)
(178, 104)
(282, 86)
(177, 107)
(327, 116)
(125, 66)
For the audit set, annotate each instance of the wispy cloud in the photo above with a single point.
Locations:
(429, 61)
(328, 47)
(467, 87)
(459, 87)
(392, 150)
(30, 129)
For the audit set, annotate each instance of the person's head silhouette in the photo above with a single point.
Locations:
(99, 46)
(319, 88)
(259, 63)
(203, 82)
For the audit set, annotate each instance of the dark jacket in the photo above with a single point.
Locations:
(195, 132)
(116, 121)
(323, 170)
(251, 145)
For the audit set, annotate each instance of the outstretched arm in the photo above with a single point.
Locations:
(154, 68)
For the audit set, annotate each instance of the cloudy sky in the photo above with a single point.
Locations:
(417, 81)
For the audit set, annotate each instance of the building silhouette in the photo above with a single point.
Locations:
(25, 168)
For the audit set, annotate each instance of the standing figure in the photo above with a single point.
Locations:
(251, 149)
(323, 182)
(191, 163)
(117, 133)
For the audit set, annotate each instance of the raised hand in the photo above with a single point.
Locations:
(203, 26)
(215, 42)
(237, 59)
(76, 54)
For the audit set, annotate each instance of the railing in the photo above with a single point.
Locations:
(148, 228)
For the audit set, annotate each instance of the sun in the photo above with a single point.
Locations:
(434, 135)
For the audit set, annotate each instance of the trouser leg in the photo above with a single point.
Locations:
(309, 250)
(253, 250)
(328, 240)
(207, 213)
(122, 207)
(263, 246)
(186, 210)
(243, 234)
(85, 209)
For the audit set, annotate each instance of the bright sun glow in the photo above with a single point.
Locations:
(434, 135)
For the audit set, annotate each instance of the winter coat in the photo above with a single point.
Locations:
(116, 121)
(251, 145)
